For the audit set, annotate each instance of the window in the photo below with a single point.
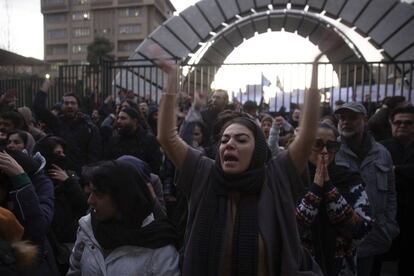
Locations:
(103, 32)
(79, 48)
(80, 2)
(49, 2)
(54, 67)
(76, 16)
(129, 12)
(81, 32)
(55, 18)
(57, 49)
(128, 46)
(130, 29)
(106, 31)
(56, 34)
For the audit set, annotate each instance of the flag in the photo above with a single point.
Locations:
(265, 81)
(279, 84)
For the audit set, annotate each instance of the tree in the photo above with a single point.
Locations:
(98, 49)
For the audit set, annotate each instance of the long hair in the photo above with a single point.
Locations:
(128, 191)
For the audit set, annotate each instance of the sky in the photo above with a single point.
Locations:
(21, 25)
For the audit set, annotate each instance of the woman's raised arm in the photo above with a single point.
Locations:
(301, 147)
(172, 144)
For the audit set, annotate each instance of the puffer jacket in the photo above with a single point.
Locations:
(87, 257)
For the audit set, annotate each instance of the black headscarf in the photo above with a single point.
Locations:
(210, 230)
(46, 147)
(132, 197)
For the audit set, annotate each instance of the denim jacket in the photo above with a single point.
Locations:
(88, 258)
(377, 173)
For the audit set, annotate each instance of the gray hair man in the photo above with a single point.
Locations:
(360, 152)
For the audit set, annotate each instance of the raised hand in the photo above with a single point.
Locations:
(166, 66)
(46, 85)
(199, 99)
(9, 165)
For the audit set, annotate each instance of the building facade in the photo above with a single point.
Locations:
(70, 25)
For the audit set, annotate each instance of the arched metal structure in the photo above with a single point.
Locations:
(389, 25)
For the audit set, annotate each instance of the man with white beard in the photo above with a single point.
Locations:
(361, 153)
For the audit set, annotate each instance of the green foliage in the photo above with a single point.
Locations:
(98, 49)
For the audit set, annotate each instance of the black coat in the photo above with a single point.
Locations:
(139, 144)
(82, 136)
(403, 158)
(70, 206)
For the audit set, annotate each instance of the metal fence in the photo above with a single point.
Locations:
(276, 84)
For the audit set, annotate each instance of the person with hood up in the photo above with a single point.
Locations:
(32, 204)
(70, 201)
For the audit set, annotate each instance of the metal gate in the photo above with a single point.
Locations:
(278, 84)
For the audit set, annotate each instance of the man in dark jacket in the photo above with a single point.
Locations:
(133, 139)
(82, 136)
(378, 124)
(401, 147)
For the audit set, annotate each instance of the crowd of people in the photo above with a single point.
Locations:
(204, 187)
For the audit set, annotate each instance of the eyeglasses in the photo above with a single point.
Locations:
(331, 146)
(399, 122)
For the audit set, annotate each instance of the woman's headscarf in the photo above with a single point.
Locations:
(210, 231)
(131, 196)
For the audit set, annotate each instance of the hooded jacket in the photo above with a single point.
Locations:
(33, 206)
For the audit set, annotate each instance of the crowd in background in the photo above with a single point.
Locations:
(97, 194)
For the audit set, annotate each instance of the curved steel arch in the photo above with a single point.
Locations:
(388, 23)
(319, 31)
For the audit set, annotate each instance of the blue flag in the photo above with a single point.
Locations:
(265, 81)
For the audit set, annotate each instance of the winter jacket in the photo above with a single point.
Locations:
(33, 207)
(378, 176)
(81, 135)
(88, 259)
(70, 206)
(139, 144)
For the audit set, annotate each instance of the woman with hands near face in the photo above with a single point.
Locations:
(70, 202)
(334, 215)
(29, 195)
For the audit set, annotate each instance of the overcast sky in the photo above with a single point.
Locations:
(21, 25)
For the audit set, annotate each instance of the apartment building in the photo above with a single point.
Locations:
(70, 25)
